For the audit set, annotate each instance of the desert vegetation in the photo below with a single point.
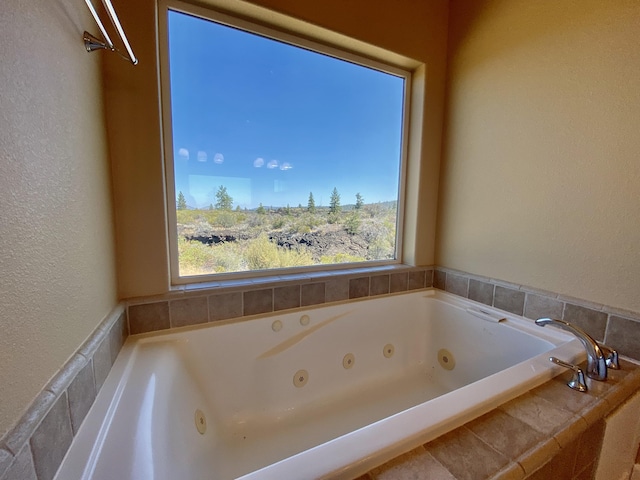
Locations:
(222, 238)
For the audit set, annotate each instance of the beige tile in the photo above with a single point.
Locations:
(538, 413)
(359, 287)
(457, 284)
(223, 306)
(118, 335)
(428, 277)
(594, 322)
(439, 279)
(102, 363)
(512, 471)
(559, 467)
(481, 291)
(286, 297)
(587, 473)
(595, 411)
(589, 446)
(82, 393)
(148, 317)
(417, 280)
(509, 300)
(257, 301)
(624, 336)
(20, 433)
(51, 440)
(22, 468)
(336, 289)
(414, 465)
(540, 306)
(379, 285)
(506, 434)
(557, 392)
(67, 373)
(570, 431)
(6, 460)
(313, 294)
(189, 311)
(539, 455)
(466, 456)
(398, 282)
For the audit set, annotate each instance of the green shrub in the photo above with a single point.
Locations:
(262, 254)
(341, 258)
(226, 219)
(352, 223)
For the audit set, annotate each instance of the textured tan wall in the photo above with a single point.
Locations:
(540, 179)
(57, 263)
(410, 28)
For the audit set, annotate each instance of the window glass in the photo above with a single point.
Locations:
(282, 156)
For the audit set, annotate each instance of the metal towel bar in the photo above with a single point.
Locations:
(92, 43)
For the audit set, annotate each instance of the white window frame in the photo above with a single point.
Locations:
(299, 40)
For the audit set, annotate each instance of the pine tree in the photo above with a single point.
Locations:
(260, 210)
(359, 201)
(182, 202)
(224, 201)
(311, 205)
(334, 203)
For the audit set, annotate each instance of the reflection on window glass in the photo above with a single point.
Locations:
(282, 157)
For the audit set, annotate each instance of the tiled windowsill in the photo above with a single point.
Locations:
(549, 432)
(271, 280)
(235, 299)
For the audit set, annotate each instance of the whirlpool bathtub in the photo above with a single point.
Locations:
(328, 392)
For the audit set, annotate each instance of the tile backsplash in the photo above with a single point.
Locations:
(35, 446)
(195, 306)
(617, 328)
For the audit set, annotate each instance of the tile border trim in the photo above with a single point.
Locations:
(537, 302)
(99, 351)
(257, 297)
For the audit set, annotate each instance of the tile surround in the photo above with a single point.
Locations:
(149, 317)
(398, 282)
(507, 443)
(337, 289)
(34, 447)
(379, 285)
(615, 327)
(188, 311)
(509, 300)
(592, 321)
(359, 287)
(481, 291)
(235, 299)
(51, 440)
(31, 450)
(313, 294)
(82, 392)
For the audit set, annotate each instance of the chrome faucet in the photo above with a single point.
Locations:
(596, 358)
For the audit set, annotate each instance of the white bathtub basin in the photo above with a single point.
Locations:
(343, 421)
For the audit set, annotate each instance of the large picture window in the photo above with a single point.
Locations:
(279, 155)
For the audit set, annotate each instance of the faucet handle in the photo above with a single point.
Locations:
(577, 382)
(610, 356)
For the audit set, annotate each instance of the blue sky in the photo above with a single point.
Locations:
(272, 122)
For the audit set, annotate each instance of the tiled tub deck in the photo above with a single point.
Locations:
(551, 432)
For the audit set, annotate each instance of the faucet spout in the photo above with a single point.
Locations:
(596, 360)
